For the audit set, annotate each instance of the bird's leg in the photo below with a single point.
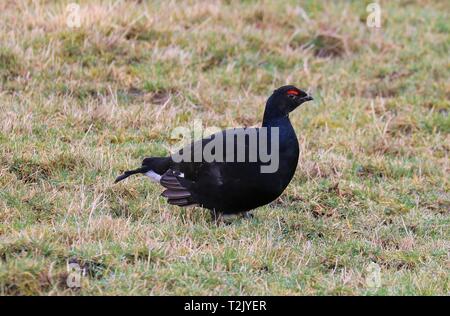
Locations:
(247, 215)
(221, 218)
(216, 216)
(227, 219)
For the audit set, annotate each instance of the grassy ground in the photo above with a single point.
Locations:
(80, 105)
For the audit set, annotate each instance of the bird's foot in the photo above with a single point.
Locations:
(216, 217)
(247, 215)
(220, 218)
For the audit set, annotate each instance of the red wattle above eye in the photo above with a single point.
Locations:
(292, 92)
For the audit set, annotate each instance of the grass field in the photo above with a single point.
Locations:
(80, 105)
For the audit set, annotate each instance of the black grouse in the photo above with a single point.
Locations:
(236, 170)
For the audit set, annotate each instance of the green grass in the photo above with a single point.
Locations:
(78, 106)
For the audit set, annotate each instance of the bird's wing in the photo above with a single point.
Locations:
(205, 182)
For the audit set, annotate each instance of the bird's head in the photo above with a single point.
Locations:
(285, 100)
(288, 98)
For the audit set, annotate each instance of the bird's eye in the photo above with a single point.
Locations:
(292, 94)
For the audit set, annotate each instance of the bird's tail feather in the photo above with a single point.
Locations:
(128, 173)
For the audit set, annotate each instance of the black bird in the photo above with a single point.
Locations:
(240, 177)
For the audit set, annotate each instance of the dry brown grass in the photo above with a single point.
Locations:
(77, 106)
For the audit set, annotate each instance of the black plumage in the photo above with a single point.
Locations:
(228, 185)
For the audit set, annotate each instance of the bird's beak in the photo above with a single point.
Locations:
(305, 99)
